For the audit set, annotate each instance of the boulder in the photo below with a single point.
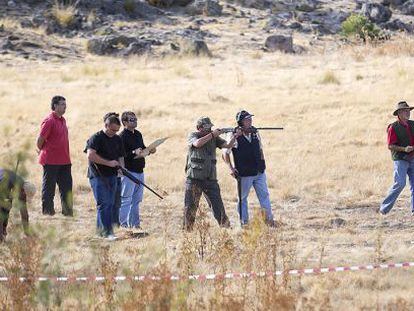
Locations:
(118, 45)
(279, 43)
(398, 25)
(393, 3)
(408, 7)
(194, 47)
(337, 222)
(205, 7)
(376, 12)
(307, 5)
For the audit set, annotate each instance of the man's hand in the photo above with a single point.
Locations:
(153, 151)
(216, 133)
(138, 151)
(408, 149)
(238, 132)
(234, 172)
(113, 163)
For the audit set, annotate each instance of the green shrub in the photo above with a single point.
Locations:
(129, 6)
(359, 26)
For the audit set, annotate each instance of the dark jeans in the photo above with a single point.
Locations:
(62, 176)
(211, 190)
(104, 190)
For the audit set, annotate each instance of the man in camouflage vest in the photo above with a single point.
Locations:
(201, 172)
(401, 145)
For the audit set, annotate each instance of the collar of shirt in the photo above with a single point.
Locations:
(55, 116)
(248, 137)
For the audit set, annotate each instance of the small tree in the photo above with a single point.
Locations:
(359, 26)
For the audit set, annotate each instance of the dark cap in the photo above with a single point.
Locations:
(243, 114)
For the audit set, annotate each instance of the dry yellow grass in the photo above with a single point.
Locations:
(330, 161)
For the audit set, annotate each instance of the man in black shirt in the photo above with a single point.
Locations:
(13, 186)
(105, 152)
(131, 193)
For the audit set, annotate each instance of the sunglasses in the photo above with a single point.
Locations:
(132, 119)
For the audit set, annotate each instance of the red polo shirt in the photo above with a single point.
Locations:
(55, 150)
(392, 136)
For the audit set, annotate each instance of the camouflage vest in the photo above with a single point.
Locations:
(201, 162)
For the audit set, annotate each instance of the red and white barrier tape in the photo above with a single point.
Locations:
(213, 276)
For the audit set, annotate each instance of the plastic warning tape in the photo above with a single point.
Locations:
(212, 276)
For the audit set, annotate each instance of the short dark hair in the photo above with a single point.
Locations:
(125, 116)
(112, 118)
(55, 101)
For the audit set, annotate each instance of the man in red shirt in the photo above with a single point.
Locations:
(401, 145)
(53, 149)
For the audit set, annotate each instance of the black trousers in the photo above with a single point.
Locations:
(211, 190)
(62, 176)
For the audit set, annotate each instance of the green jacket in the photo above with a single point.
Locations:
(201, 162)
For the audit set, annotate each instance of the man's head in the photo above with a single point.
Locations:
(204, 124)
(58, 105)
(112, 123)
(403, 111)
(244, 119)
(129, 120)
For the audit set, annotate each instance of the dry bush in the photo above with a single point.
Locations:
(22, 260)
(329, 77)
(63, 13)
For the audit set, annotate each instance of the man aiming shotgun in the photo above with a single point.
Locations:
(249, 167)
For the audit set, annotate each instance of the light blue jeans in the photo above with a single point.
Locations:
(131, 196)
(260, 186)
(402, 168)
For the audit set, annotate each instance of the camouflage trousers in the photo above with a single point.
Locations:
(211, 190)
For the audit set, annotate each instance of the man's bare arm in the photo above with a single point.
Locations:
(40, 142)
(407, 149)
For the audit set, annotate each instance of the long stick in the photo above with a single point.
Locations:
(137, 181)
(239, 195)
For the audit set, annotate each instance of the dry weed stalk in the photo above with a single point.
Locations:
(23, 260)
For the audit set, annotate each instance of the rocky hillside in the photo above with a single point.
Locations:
(47, 29)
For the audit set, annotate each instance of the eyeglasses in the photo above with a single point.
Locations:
(132, 119)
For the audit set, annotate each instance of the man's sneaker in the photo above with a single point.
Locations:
(380, 212)
(110, 237)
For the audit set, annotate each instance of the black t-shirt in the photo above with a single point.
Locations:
(132, 141)
(109, 148)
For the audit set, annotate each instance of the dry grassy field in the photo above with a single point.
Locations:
(329, 164)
